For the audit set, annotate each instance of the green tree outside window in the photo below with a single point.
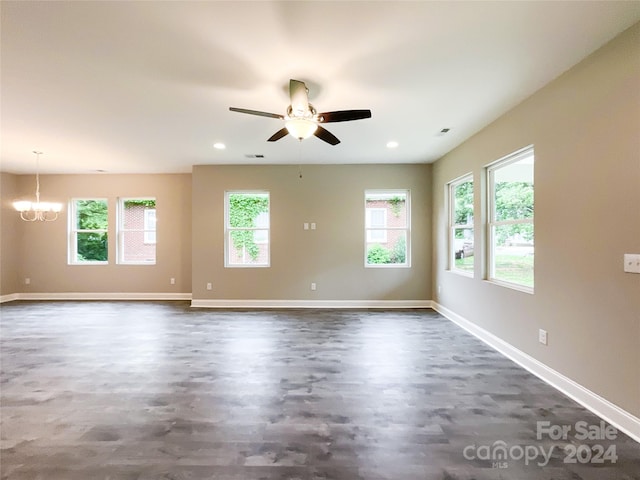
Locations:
(91, 225)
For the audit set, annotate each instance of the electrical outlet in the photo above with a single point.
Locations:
(209, 286)
(27, 281)
(632, 263)
(172, 281)
(542, 336)
(439, 289)
(313, 286)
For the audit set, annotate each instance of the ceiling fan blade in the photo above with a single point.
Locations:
(299, 97)
(256, 112)
(343, 116)
(283, 132)
(326, 135)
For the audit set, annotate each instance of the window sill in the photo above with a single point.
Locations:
(463, 273)
(247, 266)
(387, 265)
(512, 286)
(87, 263)
(137, 263)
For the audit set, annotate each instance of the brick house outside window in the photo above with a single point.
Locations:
(137, 235)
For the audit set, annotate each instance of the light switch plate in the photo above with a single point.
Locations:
(542, 336)
(632, 262)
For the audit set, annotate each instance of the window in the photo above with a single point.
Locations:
(88, 225)
(149, 225)
(461, 237)
(510, 228)
(387, 228)
(377, 219)
(137, 231)
(261, 236)
(247, 229)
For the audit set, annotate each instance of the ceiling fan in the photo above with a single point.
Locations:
(302, 120)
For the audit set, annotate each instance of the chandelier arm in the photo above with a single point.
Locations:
(26, 217)
(48, 216)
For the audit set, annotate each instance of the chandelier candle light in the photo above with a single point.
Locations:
(37, 211)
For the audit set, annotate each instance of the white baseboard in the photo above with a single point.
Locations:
(201, 303)
(96, 296)
(388, 304)
(616, 416)
(9, 298)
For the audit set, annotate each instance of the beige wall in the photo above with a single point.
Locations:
(44, 244)
(585, 127)
(332, 256)
(9, 236)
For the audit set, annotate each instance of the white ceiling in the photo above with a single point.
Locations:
(145, 87)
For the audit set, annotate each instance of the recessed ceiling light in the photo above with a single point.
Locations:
(219, 146)
(392, 144)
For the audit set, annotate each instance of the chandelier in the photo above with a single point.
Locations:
(37, 211)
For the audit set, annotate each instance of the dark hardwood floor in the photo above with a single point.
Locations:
(157, 390)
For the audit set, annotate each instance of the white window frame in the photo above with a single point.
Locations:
(228, 229)
(72, 250)
(121, 231)
(406, 229)
(492, 223)
(453, 226)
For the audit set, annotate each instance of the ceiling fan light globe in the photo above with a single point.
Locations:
(301, 128)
